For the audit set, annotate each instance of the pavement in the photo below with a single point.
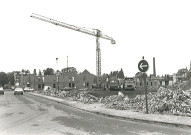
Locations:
(98, 108)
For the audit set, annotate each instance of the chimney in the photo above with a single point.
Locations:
(154, 68)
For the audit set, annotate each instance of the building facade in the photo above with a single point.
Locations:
(70, 78)
(151, 82)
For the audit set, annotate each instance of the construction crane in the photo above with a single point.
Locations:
(94, 32)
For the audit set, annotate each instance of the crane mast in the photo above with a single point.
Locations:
(98, 56)
(94, 32)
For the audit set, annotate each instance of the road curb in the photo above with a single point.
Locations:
(58, 100)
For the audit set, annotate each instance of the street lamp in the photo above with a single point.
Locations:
(58, 81)
(57, 74)
(34, 74)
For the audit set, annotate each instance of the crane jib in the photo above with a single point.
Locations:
(63, 24)
(83, 30)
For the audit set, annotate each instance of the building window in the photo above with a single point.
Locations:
(39, 86)
(71, 79)
(39, 79)
(73, 85)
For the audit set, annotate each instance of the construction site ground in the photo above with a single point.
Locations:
(100, 109)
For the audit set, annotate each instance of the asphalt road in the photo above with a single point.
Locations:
(31, 115)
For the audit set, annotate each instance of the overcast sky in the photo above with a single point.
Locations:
(149, 28)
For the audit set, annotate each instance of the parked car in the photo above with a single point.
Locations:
(1, 91)
(18, 90)
(28, 89)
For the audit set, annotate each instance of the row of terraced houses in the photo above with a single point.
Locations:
(71, 79)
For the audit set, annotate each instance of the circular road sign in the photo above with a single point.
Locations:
(143, 66)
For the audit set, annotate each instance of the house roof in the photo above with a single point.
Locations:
(86, 72)
(182, 71)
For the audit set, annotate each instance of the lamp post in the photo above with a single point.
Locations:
(34, 74)
(22, 84)
(57, 75)
(58, 81)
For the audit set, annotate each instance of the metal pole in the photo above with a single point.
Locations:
(34, 81)
(67, 63)
(145, 86)
(58, 83)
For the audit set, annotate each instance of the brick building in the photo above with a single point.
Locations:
(68, 78)
(152, 82)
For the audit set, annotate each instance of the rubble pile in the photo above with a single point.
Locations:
(49, 92)
(165, 101)
(177, 102)
(77, 95)
(116, 102)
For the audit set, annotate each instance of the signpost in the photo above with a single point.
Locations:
(143, 66)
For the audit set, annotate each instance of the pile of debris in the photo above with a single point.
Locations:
(49, 92)
(165, 101)
(77, 95)
(118, 102)
(177, 102)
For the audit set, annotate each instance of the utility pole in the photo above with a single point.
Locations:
(67, 61)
